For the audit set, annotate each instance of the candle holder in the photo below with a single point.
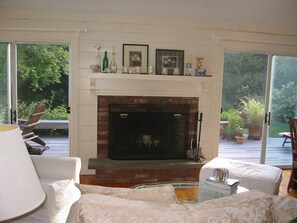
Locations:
(188, 69)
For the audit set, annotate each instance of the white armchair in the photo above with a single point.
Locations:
(57, 168)
(58, 176)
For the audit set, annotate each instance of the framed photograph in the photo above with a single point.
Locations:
(170, 62)
(134, 56)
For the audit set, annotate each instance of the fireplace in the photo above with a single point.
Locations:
(145, 127)
(163, 99)
(148, 131)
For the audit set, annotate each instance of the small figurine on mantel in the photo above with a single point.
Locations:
(199, 71)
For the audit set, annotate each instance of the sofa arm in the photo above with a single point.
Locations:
(57, 167)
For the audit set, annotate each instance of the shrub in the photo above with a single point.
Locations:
(234, 122)
(57, 113)
(284, 102)
(253, 110)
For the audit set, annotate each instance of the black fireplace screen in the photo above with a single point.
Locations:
(142, 131)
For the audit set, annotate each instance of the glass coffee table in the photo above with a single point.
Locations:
(191, 191)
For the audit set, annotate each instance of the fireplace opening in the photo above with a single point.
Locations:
(148, 131)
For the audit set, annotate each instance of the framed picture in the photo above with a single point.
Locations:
(134, 56)
(169, 62)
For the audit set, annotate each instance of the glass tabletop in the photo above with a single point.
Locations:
(192, 191)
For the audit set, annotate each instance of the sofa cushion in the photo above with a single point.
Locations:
(252, 206)
(160, 194)
(285, 209)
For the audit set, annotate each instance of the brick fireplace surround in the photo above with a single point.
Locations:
(128, 89)
(116, 171)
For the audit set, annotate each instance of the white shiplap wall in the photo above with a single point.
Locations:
(84, 31)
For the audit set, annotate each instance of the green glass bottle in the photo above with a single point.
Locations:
(105, 62)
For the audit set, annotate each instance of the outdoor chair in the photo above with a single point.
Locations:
(293, 178)
(28, 134)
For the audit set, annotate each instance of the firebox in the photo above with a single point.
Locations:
(148, 131)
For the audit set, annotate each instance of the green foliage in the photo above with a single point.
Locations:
(235, 121)
(254, 111)
(225, 114)
(57, 113)
(3, 83)
(51, 113)
(244, 75)
(284, 102)
(277, 127)
(43, 73)
(239, 131)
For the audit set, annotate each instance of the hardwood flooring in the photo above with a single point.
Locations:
(284, 184)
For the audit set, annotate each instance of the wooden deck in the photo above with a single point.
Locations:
(249, 151)
(59, 146)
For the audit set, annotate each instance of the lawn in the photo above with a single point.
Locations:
(277, 127)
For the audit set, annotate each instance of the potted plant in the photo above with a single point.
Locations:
(239, 135)
(253, 111)
(234, 120)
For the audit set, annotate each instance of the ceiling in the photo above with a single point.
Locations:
(245, 11)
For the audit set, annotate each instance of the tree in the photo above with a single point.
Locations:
(43, 73)
(244, 76)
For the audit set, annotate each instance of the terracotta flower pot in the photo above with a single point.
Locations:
(254, 132)
(239, 139)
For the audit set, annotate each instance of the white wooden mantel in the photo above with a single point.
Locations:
(147, 85)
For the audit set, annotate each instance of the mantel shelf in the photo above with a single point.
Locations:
(147, 85)
(119, 76)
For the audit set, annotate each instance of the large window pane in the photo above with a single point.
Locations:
(244, 82)
(283, 105)
(4, 84)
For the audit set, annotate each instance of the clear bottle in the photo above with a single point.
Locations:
(113, 64)
(98, 58)
(105, 62)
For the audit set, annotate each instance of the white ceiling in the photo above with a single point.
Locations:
(247, 11)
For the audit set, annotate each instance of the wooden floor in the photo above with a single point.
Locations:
(249, 151)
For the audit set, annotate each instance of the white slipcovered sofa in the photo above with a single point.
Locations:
(58, 176)
(120, 205)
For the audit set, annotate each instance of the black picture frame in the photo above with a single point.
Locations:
(172, 60)
(136, 55)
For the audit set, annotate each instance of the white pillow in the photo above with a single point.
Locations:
(164, 194)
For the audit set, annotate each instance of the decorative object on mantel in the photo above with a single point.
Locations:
(105, 63)
(195, 153)
(171, 61)
(151, 70)
(96, 68)
(135, 56)
(199, 71)
(113, 64)
(189, 66)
